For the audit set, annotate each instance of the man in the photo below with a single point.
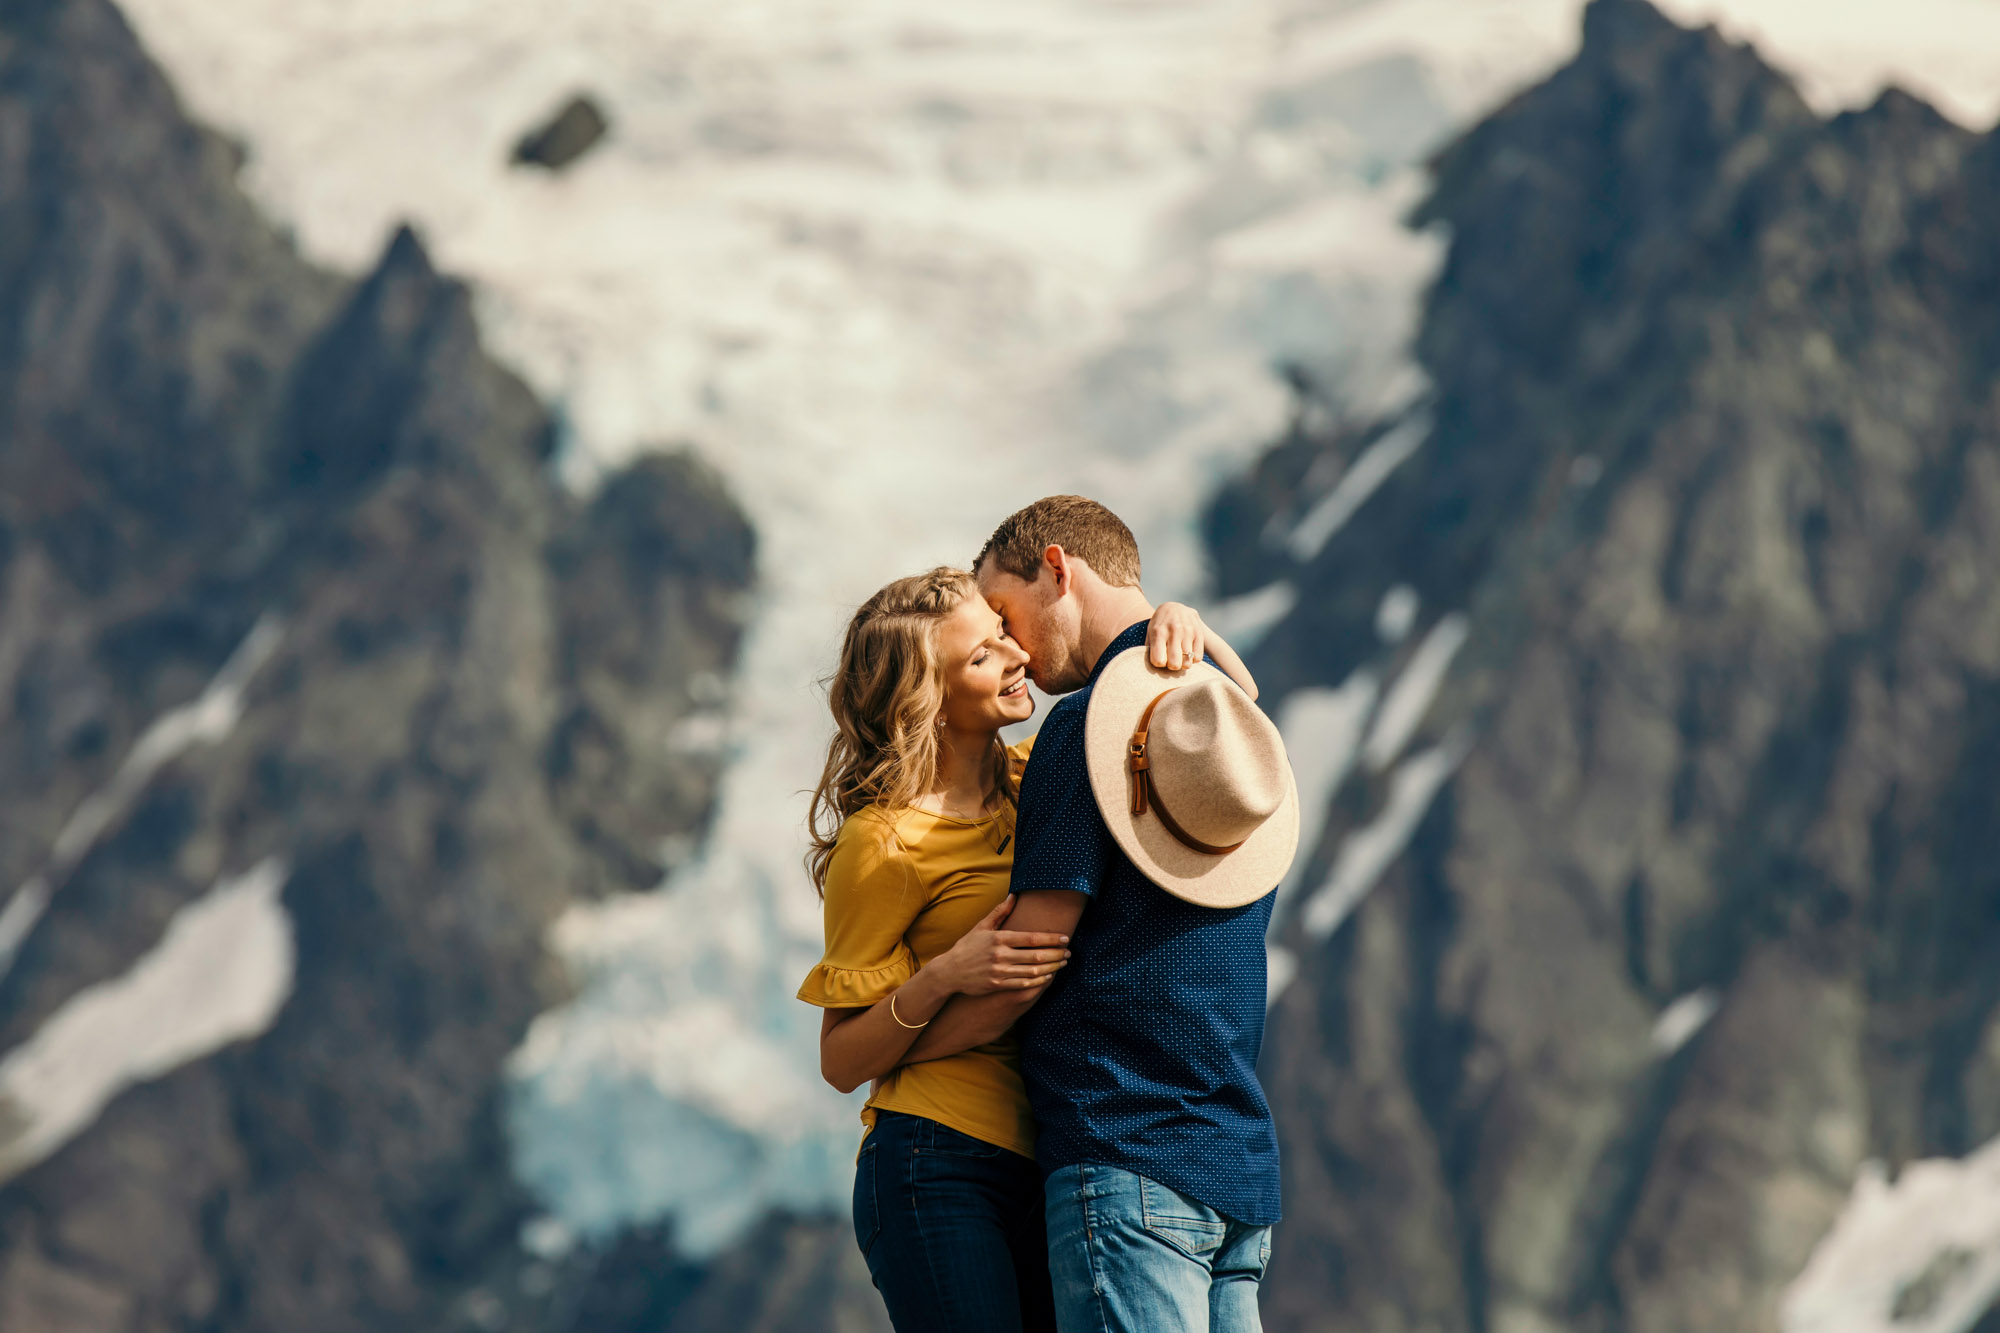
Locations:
(1140, 1059)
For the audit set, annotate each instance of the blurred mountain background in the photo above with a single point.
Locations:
(1593, 430)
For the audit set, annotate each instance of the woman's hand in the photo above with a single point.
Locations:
(988, 959)
(1177, 638)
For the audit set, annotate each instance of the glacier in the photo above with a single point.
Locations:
(894, 269)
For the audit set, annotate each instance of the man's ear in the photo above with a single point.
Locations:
(1057, 560)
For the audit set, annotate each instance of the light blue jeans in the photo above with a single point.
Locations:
(1130, 1255)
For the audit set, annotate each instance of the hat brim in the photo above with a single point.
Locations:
(1233, 879)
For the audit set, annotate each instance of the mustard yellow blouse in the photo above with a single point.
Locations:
(903, 887)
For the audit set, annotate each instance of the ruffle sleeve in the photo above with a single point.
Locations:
(873, 894)
(832, 987)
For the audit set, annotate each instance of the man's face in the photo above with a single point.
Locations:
(1046, 625)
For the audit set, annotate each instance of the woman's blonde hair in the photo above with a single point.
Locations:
(886, 695)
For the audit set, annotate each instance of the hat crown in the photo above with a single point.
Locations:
(1191, 745)
(1216, 761)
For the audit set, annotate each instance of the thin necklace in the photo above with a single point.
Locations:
(986, 808)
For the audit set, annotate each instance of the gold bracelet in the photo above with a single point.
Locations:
(899, 1018)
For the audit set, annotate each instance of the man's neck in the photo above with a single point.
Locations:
(1117, 611)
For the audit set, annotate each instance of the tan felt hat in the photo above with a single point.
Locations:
(1192, 780)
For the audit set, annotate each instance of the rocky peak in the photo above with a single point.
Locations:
(1707, 913)
(367, 370)
(292, 614)
(1608, 181)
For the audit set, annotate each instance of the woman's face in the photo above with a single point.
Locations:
(985, 673)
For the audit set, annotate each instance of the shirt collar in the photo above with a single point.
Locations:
(1134, 636)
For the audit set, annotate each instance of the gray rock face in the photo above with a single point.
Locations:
(1714, 472)
(469, 717)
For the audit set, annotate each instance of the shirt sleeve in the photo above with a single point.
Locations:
(873, 894)
(1060, 841)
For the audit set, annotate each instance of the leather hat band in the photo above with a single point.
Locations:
(1145, 794)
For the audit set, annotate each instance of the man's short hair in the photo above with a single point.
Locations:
(1081, 527)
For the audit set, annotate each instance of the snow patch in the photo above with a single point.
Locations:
(205, 720)
(219, 974)
(1413, 690)
(547, 1238)
(1245, 620)
(1370, 850)
(1322, 729)
(1687, 1015)
(1361, 480)
(1917, 1255)
(1397, 614)
(1281, 968)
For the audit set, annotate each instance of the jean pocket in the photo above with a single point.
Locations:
(867, 1212)
(1184, 1223)
(945, 1139)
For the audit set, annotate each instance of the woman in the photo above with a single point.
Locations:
(912, 839)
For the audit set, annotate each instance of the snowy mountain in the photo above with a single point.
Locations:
(892, 270)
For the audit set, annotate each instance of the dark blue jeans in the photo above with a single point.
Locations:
(952, 1229)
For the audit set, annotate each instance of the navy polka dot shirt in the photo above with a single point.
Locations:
(1143, 1053)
